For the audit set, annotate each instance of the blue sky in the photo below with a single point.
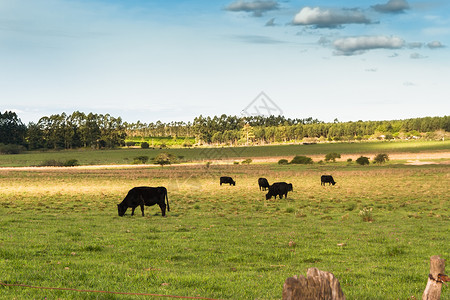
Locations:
(174, 60)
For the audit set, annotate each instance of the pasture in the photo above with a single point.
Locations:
(375, 231)
(126, 156)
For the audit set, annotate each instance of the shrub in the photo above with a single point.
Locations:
(304, 160)
(71, 163)
(283, 162)
(130, 144)
(165, 159)
(362, 160)
(366, 214)
(145, 145)
(140, 159)
(332, 156)
(51, 163)
(11, 149)
(246, 161)
(380, 158)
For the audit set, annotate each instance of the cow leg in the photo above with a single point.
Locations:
(163, 209)
(142, 209)
(132, 210)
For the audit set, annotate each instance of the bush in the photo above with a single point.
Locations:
(130, 144)
(11, 149)
(71, 163)
(140, 160)
(381, 158)
(165, 159)
(332, 156)
(362, 160)
(304, 160)
(349, 160)
(51, 163)
(283, 162)
(145, 145)
(246, 161)
(57, 163)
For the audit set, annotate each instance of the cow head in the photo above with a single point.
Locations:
(290, 188)
(333, 183)
(121, 209)
(268, 196)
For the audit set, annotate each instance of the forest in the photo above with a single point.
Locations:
(98, 131)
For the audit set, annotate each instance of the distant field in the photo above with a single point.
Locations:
(126, 156)
(59, 228)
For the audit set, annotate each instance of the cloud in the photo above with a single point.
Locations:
(257, 7)
(258, 39)
(360, 44)
(435, 45)
(417, 56)
(329, 18)
(413, 45)
(392, 6)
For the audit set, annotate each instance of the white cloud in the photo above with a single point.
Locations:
(413, 45)
(257, 7)
(329, 18)
(359, 44)
(417, 56)
(435, 45)
(392, 6)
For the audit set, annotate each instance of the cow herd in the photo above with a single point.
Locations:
(149, 196)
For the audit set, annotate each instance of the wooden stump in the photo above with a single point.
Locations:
(434, 284)
(317, 285)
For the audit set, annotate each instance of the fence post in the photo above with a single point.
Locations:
(434, 284)
(317, 285)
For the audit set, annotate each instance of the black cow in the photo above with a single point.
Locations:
(226, 179)
(327, 179)
(263, 183)
(280, 189)
(144, 195)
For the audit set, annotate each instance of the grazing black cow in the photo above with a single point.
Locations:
(327, 179)
(263, 183)
(226, 179)
(280, 189)
(144, 195)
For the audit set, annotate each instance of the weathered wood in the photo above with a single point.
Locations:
(317, 285)
(433, 288)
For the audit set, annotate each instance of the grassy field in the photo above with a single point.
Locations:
(59, 228)
(126, 156)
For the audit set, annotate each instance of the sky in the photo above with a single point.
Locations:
(174, 60)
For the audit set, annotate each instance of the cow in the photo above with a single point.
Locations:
(263, 183)
(226, 179)
(144, 195)
(280, 189)
(327, 179)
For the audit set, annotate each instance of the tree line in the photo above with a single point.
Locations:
(77, 130)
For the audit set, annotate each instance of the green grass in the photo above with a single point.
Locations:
(61, 229)
(126, 156)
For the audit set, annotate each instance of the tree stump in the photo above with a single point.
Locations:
(317, 285)
(434, 284)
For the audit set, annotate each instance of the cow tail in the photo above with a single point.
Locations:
(167, 198)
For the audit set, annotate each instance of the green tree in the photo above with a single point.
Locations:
(164, 158)
(304, 160)
(332, 156)
(247, 133)
(12, 130)
(381, 158)
(362, 160)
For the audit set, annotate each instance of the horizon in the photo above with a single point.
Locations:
(160, 60)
